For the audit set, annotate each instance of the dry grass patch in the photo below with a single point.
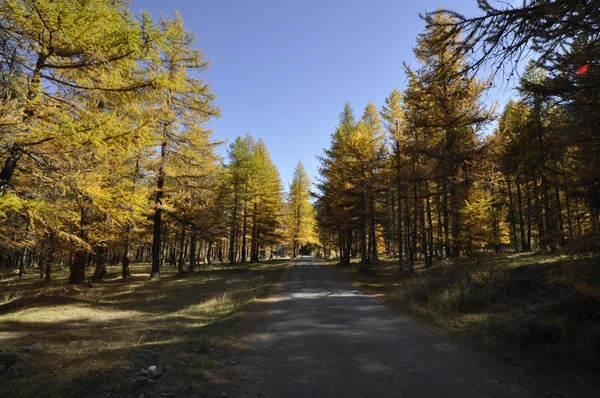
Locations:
(94, 338)
(538, 314)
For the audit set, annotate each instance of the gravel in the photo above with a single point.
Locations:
(324, 338)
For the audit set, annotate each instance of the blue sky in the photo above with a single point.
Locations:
(282, 70)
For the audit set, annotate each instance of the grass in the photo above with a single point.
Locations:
(538, 316)
(90, 335)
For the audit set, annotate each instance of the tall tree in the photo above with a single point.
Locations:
(445, 114)
(335, 189)
(240, 169)
(300, 210)
(266, 207)
(563, 35)
(183, 103)
(392, 113)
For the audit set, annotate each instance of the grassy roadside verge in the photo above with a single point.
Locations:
(96, 340)
(536, 316)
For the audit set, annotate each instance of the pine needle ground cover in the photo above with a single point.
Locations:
(538, 316)
(96, 340)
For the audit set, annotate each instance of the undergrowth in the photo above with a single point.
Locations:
(535, 312)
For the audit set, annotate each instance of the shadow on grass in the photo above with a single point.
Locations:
(87, 339)
(535, 313)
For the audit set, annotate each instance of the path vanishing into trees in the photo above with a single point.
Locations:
(324, 338)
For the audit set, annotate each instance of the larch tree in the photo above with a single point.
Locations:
(350, 174)
(562, 35)
(266, 207)
(300, 210)
(70, 65)
(57, 51)
(239, 167)
(445, 115)
(392, 114)
(334, 197)
(183, 103)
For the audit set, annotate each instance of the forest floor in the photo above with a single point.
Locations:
(537, 316)
(102, 340)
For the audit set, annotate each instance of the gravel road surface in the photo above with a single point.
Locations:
(324, 338)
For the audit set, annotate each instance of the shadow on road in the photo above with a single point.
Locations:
(325, 338)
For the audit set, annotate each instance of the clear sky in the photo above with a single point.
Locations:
(283, 69)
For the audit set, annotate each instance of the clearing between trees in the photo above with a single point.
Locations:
(104, 340)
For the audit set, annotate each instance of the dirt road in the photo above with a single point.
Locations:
(324, 338)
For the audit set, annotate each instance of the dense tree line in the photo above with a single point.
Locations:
(105, 155)
(442, 183)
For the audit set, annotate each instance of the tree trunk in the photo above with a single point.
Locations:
(50, 256)
(511, 213)
(409, 252)
(77, 275)
(540, 218)
(209, 253)
(157, 227)
(126, 272)
(528, 197)
(520, 205)
(181, 259)
(348, 246)
(23, 257)
(20, 261)
(16, 150)
(399, 199)
(430, 227)
(549, 235)
(233, 237)
(415, 224)
(193, 241)
(455, 220)
(100, 270)
(438, 206)
(447, 248)
(342, 246)
(560, 232)
(244, 231)
(423, 233)
(255, 245)
(373, 229)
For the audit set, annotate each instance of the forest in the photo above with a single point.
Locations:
(106, 157)
(110, 176)
(425, 177)
(479, 219)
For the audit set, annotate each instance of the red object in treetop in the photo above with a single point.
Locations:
(582, 70)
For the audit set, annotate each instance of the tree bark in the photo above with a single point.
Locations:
(125, 271)
(181, 259)
(244, 231)
(50, 256)
(430, 227)
(399, 199)
(193, 241)
(512, 214)
(233, 236)
(100, 270)
(528, 197)
(16, 150)
(348, 246)
(540, 218)
(373, 229)
(77, 275)
(520, 206)
(447, 248)
(157, 226)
